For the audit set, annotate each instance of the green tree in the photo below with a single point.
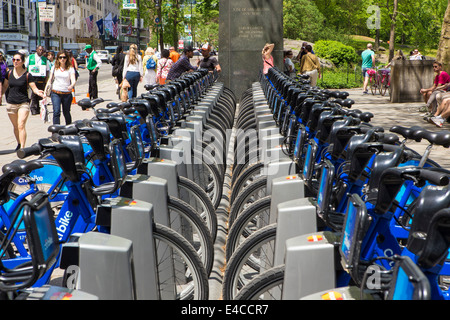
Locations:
(303, 20)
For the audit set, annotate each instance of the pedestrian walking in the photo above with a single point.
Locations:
(15, 87)
(150, 63)
(61, 82)
(117, 67)
(39, 67)
(368, 62)
(132, 70)
(93, 64)
(164, 66)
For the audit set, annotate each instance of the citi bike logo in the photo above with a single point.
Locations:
(63, 223)
(24, 181)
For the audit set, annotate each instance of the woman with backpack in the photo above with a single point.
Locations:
(16, 85)
(132, 70)
(150, 63)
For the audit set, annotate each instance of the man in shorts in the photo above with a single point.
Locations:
(368, 62)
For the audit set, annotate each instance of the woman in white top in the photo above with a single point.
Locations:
(132, 70)
(62, 76)
(149, 74)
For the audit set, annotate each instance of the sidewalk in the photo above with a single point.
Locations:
(389, 114)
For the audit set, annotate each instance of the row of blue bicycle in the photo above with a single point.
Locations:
(370, 220)
(88, 169)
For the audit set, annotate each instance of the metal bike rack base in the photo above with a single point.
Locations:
(150, 189)
(278, 169)
(285, 189)
(294, 218)
(309, 265)
(162, 168)
(106, 266)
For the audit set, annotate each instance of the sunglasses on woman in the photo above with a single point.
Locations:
(62, 57)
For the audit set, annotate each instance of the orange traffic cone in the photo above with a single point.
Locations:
(87, 95)
(74, 101)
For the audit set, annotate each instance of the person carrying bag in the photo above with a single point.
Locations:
(59, 87)
(15, 86)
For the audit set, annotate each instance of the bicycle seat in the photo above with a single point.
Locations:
(441, 138)
(407, 133)
(109, 110)
(55, 128)
(86, 103)
(150, 87)
(366, 116)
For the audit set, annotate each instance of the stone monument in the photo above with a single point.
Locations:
(245, 27)
(408, 77)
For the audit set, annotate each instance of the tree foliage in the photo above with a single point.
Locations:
(419, 22)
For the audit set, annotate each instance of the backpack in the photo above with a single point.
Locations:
(151, 64)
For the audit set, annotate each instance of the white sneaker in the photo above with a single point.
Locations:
(438, 122)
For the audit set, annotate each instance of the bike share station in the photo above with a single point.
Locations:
(130, 203)
(119, 234)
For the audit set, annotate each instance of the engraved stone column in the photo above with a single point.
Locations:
(245, 26)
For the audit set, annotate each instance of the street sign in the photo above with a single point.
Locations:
(47, 14)
(129, 4)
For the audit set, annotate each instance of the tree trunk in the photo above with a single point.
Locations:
(443, 54)
(392, 36)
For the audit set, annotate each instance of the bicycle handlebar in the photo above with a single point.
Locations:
(34, 150)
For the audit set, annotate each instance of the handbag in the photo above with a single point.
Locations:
(48, 87)
(43, 114)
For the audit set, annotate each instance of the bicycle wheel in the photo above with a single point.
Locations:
(187, 222)
(250, 220)
(384, 85)
(250, 174)
(192, 194)
(373, 83)
(249, 195)
(267, 286)
(208, 177)
(191, 280)
(254, 254)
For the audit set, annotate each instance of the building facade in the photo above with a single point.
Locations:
(19, 28)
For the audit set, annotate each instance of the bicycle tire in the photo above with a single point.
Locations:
(197, 233)
(373, 84)
(200, 201)
(244, 225)
(244, 179)
(271, 279)
(243, 258)
(249, 195)
(208, 177)
(199, 288)
(383, 86)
